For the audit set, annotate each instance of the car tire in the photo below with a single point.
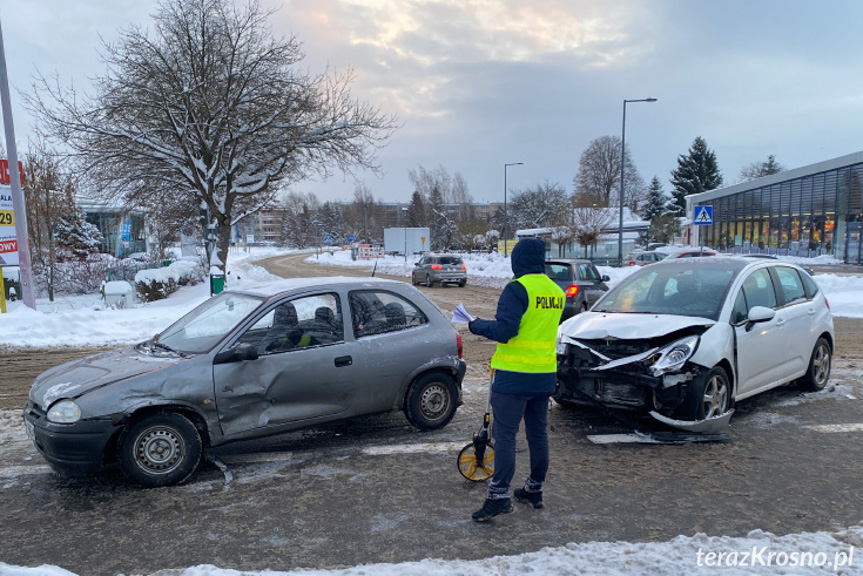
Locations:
(429, 281)
(431, 401)
(160, 450)
(462, 283)
(708, 396)
(819, 366)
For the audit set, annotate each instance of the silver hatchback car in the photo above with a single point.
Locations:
(248, 363)
(441, 269)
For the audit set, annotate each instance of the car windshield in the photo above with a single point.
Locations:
(202, 328)
(684, 291)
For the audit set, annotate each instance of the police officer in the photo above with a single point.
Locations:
(525, 364)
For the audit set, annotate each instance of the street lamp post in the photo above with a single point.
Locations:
(622, 165)
(505, 216)
(405, 231)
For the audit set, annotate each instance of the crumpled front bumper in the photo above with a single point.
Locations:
(71, 449)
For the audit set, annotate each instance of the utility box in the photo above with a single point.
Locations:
(119, 294)
(410, 240)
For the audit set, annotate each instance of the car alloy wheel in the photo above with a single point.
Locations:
(429, 281)
(819, 366)
(715, 397)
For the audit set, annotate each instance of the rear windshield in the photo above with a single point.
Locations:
(451, 260)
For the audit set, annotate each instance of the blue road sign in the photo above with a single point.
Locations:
(328, 239)
(351, 238)
(703, 215)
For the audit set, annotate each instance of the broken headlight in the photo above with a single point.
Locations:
(672, 357)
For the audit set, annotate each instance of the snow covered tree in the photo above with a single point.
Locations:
(759, 169)
(49, 191)
(330, 224)
(212, 112)
(696, 172)
(657, 201)
(540, 207)
(297, 224)
(599, 174)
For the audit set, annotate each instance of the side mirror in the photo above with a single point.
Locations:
(238, 353)
(758, 314)
(606, 278)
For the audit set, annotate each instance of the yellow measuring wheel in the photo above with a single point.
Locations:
(476, 460)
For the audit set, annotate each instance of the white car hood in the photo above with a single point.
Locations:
(624, 326)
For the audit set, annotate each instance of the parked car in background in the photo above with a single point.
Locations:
(441, 269)
(691, 253)
(686, 338)
(249, 363)
(580, 281)
(643, 258)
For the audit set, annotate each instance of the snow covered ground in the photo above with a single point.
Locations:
(85, 320)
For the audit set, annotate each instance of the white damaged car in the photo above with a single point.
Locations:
(684, 339)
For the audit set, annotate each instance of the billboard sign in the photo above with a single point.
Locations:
(8, 238)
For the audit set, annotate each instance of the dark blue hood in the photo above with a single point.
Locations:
(528, 257)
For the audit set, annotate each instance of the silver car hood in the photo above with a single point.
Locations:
(623, 326)
(78, 377)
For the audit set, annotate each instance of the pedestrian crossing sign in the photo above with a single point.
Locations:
(704, 215)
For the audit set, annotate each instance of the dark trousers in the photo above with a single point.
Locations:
(508, 411)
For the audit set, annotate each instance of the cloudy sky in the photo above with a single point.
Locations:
(480, 83)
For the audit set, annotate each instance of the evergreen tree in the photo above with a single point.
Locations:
(657, 201)
(696, 172)
(416, 216)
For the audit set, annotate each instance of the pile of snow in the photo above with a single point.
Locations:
(757, 553)
(178, 269)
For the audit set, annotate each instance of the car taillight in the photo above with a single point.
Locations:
(571, 290)
(826, 303)
(463, 267)
(459, 346)
(436, 266)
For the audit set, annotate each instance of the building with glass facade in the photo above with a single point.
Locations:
(808, 211)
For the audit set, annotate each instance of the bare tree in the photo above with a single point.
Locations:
(49, 190)
(211, 112)
(298, 215)
(540, 207)
(759, 169)
(363, 216)
(588, 224)
(598, 177)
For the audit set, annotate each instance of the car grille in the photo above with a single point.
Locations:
(615, 349)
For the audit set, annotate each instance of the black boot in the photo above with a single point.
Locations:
(533, 498)
(492, 508)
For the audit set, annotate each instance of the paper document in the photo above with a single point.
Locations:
(461, 315)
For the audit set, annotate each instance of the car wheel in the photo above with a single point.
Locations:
(160, 450)
(431, 401)
(819, 366)
(708, 396)
(429, 281)
(462, 283)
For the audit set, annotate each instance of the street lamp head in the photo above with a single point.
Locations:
(651, 100)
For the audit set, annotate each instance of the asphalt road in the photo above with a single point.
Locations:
(375, 490)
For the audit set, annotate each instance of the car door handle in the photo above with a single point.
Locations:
(344, 361)
(780, 322)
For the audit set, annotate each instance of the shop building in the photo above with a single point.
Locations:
(808, 211)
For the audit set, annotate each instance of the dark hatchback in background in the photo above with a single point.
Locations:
(441, 269)
(581, 282)
(249, 363)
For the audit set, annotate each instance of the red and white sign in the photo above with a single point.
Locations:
(8, 237)
(5, 178)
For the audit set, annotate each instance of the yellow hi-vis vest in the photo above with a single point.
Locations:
(533, 348)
